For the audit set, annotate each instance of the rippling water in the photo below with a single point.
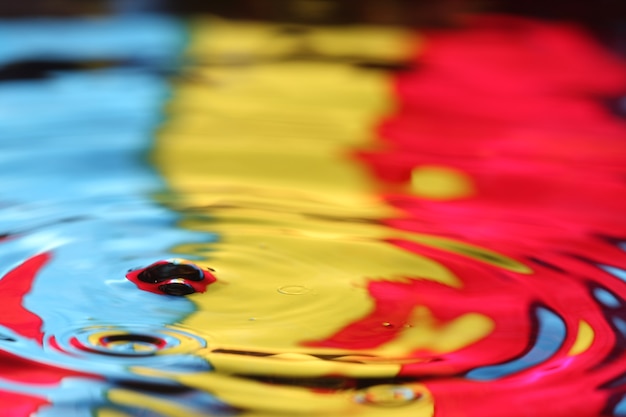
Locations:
(400, 224)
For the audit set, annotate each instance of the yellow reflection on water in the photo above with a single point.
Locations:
(584, 339)
(259, 399)
(257, 150)
(440, 183)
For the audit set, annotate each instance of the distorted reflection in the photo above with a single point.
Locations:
(313, 220)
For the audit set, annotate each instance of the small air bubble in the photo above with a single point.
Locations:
(293, 290)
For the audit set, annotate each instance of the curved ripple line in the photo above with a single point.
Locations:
(550, 337)
(606, 298)
(616, 272)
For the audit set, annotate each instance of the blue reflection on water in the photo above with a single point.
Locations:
(76, 182)
(550, 337)
(112, 109)
(606, 298)
(616, 272)
(144, 38)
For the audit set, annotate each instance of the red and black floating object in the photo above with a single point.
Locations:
(172, 277)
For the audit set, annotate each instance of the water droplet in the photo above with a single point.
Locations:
(387, 395)
(293, 290)
(172, 277)
(388, 325)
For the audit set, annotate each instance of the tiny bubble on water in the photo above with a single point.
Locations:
(293, 290)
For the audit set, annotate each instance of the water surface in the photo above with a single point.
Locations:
(400, 224)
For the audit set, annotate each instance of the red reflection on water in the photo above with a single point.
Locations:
(18, 405)
(512, 105)
(14, 286)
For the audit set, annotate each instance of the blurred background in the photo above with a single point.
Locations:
(605, 18)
